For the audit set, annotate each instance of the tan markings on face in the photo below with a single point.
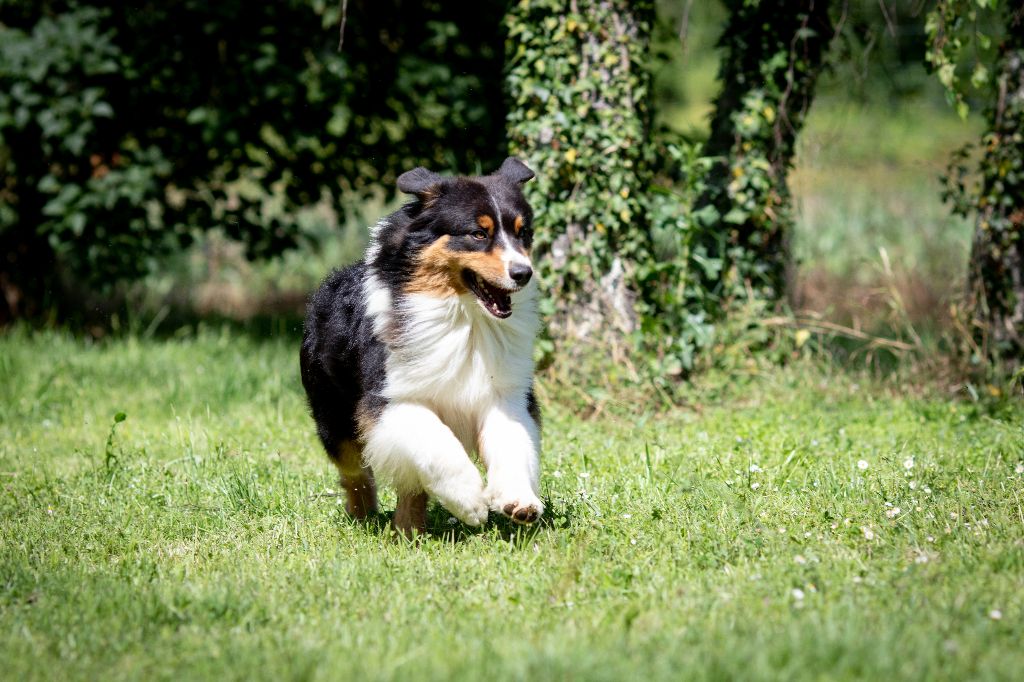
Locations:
(485, 222)
(518, 224)
(437, 273)
(488, 265)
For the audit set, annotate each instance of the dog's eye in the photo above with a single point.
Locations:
(478, 235)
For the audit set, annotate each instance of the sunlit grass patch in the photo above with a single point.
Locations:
(813, 524)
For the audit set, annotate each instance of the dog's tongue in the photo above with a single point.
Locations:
(496, 301)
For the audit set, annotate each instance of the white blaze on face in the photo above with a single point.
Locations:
(511, 256)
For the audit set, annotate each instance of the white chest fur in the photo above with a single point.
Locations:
(451, 355)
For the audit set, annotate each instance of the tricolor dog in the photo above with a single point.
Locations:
(420, 357)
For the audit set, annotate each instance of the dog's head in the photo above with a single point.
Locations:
(464, 235)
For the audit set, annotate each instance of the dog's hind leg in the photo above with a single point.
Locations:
(409, 446)
(357, 480)
(411, 514)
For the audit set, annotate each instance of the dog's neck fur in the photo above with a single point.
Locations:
(448, 352)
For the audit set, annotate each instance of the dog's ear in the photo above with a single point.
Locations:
(515, 170)
(421, 182)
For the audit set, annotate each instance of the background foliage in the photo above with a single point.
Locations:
(579, 88)
(986, 40)
(124, 128)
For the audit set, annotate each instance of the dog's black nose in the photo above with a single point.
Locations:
(520, 273)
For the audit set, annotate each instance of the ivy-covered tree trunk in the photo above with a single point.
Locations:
(772, 54)
(996, 275)
(578, 87)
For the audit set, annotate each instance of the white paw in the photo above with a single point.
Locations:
(523, 507)
(463, 497)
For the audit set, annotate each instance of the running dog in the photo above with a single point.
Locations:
(421, 354)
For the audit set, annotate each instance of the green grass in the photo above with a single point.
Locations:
(740, 540)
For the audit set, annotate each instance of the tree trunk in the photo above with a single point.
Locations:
(773, 52)
(578, 87)
(995, 296)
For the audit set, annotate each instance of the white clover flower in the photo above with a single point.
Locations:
(913, 485)
(862, 464)
(868, 533)
(891, 513)
(995, 614)
(755, 485)
(797, 593)
(908, 463)
(755, 469)
(1019, 469)
(799, 558)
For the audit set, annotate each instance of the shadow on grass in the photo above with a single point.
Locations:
(443, 527)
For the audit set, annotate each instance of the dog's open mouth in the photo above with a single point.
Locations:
(495, 300)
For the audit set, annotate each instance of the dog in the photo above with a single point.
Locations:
(421, 354)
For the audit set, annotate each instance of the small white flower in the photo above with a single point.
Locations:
(556, 473)
(755, 485)
(452, 520)
(754, 468)
(995, 614)
(584, 474)
(862, 464)
(913, 485)
(1019, 469)
(857, 579)
(799, 558)
(797, 593)
(930, 538)
(782, 530)
(908, 463)
(891, 513)
(921, 558)
(868, 533)
(627, 516)
(632, 541)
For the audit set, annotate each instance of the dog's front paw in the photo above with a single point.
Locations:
(523, 508)
(464, 498)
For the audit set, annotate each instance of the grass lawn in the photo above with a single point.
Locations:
(815, 525)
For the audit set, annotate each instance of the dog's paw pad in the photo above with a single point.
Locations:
(522, 513)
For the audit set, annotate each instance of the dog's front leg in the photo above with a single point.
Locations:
(410, 446)
(510, 447)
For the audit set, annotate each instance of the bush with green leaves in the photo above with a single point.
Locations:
(773, 52)
(124, 129)
(977, 48)
(578, 80)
